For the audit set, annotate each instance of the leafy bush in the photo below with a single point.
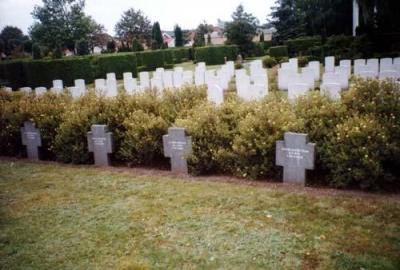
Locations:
(278, 52)
(215, 55)
(142, 143)
(303, 61)
(269, 62)
(254, 144)
(355, 153)
(258, 49)
(82, 47)
(212, 130)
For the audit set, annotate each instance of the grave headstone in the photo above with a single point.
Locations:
(331, 89)
(100, 142)
(40, 91)
(26, 90)
(58, 86)
(389, 74)
(359, 65)
(168, 79)
(199, 77)
(315, 66)
(100, 85)
(112, 89)
(111, 76)
(296, 155)
(215, 94)
(31, 139)
(80, 84)
(296, 90)
(386, 64)
(178, 79)
(177, 146)
(329, 64)
(144, 80)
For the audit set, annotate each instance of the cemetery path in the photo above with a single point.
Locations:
(273, 185)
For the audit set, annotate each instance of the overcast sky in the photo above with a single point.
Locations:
(188, 14)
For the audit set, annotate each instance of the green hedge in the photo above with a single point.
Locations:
(118, 63)
(278, 52)
(43, 72)
(215, 55)
(301, 46)
(34, 73)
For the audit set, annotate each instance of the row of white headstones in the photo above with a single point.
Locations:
(250, 86)
(334, 78)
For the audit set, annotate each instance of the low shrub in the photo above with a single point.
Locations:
(269, 62)
(278, 52)
(355, 153)
(254, 144)
(142, 143)
(303, 61)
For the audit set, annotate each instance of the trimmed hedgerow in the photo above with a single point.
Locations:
(215, 55)
(301, 45)
(278, 52)
(118, 64)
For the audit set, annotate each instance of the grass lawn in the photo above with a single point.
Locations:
(63, 217)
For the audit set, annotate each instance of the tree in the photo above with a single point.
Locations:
(133, 24)
(178, 36)
(82, 47)
(201, 30)
(262, 37)
(61, 23)
(13, 39)
(242, 30)
(157, 41)
(209, 41)
(137, 46)
(111, 46)
(36, 52)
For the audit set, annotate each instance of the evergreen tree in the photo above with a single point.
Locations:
(82, 47)
(111, 46)
(178, 36)
(209, 42)
(157, 40)
(262, 37)
(242, 30)
(137, 46)
(36, 52)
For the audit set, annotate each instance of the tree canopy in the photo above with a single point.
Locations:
(178, 36)
(12, 38)
(242, 29)
(134, 24)
(157, 41)
(61, 23)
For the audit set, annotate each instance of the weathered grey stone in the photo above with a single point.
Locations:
(100, 142)
(296, 155)
(177, 146)
(31, 139)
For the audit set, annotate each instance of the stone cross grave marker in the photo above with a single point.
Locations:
(31, 139)
(296, 155)
(177, 146)
(101, 144)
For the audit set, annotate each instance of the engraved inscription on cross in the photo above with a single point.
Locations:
(31, 139)
(177, 146)
(101, 144)
(296, 155)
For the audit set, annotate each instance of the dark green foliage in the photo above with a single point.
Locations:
(82, 47)
(278, 52)
(43, 72)
(209, 42)
(11, 35)
(301, 46)
(111, 46)
(36, 52)
(151, 59)
(120, 63)
(215, 55)
(258, 49)
(262, 37)
(156, 37)
(178, 36)
(57, 53)
(241, 30)
(137, 46)
(28, 46)
(269, 62)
